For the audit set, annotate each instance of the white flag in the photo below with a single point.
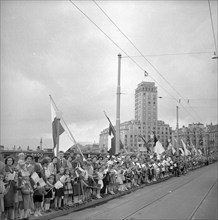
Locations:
(185, 149)
(158, 149)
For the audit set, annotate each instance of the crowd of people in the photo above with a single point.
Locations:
(34, 186)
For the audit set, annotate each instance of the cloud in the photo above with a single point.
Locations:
(49, 47)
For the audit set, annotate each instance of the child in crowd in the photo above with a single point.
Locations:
(26, 191)
(48, 193)
(128, 176)
(112, 185)
(68, 189)
(59, 193)
(106, 180)
(99, 172)
(85, 183)
(119, 179)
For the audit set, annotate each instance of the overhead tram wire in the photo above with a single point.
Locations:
(143, 55)
(127, 55)
(174, 54)
(211, 19)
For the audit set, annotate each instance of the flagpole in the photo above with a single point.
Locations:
(73, 138)
(177, 129)
(117, 149)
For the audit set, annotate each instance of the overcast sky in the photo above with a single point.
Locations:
(50, 47)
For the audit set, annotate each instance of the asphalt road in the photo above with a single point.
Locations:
(193, 196)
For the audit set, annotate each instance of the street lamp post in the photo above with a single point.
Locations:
(117, 145)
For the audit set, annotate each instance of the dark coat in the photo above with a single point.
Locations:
(9, 196)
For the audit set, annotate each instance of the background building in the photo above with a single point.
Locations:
(202, 137)
(164, 133)
(146, 107)
(145, 123)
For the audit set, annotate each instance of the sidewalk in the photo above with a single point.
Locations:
(56, 214)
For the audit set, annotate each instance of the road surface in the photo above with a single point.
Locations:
(193, 196)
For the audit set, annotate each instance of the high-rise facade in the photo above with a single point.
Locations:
(146, 107)
(145, 122)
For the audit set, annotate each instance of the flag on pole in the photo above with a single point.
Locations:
(170, 147)
(155, 139)
(66, 139)
(193, 149)
(158, 149)
(145, 142)
(111, 146)
(55, 120)
(199, 152)
(185, 148)
(182, 151)
(112, 140)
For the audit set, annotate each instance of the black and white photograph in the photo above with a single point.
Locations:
(109, 110)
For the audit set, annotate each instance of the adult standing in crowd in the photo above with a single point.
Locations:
(9, 165)
(69, 162)
(62, 162)
(29, 164)
(78, 161)
(53, 166)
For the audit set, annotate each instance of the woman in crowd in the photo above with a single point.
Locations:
(53, 166)
(9, 165)
(80, 180)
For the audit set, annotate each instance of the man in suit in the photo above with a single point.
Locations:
(62, 162)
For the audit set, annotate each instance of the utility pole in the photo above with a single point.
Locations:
(177, 130)
(118, 107)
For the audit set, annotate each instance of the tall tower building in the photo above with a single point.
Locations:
(146, 107)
